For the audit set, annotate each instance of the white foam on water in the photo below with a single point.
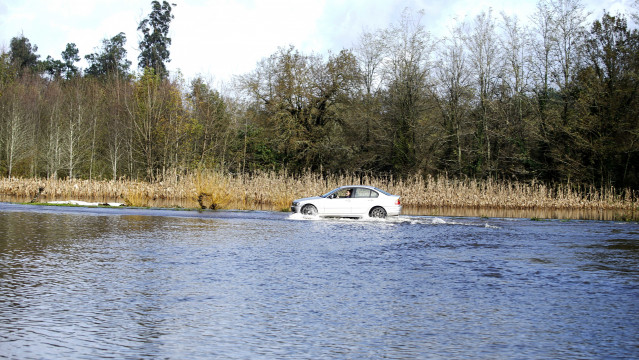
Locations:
(299, 216)
(82, 203)
(411, 220)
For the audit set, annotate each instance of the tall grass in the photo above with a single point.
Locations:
(210, 189)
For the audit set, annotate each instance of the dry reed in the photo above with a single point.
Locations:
(276, 190)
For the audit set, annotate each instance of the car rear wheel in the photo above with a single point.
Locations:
(309, 210)
(377, 212)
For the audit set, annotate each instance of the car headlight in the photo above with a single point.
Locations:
(295, 203)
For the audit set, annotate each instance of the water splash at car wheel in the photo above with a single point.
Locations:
(378, 212)
(309, 210)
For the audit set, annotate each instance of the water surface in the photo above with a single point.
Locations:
(134, 283)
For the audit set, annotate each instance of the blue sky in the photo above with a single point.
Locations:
(221, 38)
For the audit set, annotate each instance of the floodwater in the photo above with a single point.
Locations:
(90, 283)
(540, 213)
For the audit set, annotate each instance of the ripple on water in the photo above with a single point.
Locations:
(273, 285)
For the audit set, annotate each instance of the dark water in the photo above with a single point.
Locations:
(147, 284)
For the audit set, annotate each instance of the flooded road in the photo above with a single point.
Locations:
(134, 283)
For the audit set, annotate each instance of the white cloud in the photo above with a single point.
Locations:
(230, 37)
(226, 37)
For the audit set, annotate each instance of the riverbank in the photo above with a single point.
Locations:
(214, 190)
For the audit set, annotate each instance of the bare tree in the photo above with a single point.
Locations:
(514, 107)
(541, 63)
(52, 131)
(75, 125)
(569, 29)
(145, 112)
(15, 135)
(208, 109)
(173, 127)
(542, 45)
(115, 138)
(454, 94)
(369, 53)
(118, 147)
(18, 124)
(516, 59)
(482, 43)
(408, 67)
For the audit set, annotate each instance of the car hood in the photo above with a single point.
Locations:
(308, 199)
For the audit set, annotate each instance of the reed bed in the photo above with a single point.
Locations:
(132, 193)
(216, 190)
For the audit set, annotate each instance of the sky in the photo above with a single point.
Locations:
(217, 39)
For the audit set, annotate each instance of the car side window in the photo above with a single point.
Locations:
(344, 193)
(365, 193)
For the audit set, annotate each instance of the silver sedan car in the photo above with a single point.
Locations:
(350, 201)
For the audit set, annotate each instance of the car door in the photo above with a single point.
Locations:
(339, 204)
(362, 201)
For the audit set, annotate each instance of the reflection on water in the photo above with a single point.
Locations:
(566, 214)
(135, 283)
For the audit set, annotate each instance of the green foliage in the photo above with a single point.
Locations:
(110, 60)
(209, 132)
(23, 54)
(6, 72)
(155, 42)
(70, 57)
(297, 98)
(53, 67)
(56, 68)
(605, 128)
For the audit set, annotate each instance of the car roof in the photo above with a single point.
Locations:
(358, 186)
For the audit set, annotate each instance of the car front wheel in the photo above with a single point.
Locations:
(378, 212)
(309, 210)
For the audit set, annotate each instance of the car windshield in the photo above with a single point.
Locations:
(328, 193)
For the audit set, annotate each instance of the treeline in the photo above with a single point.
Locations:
(551, 98)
